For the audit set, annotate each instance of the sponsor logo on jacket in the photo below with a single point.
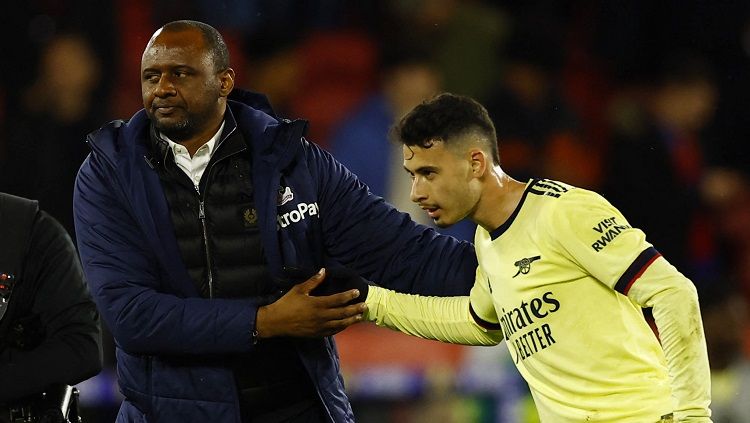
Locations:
(300, 213)
(284, 196)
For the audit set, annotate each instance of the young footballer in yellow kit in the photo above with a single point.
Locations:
(562, 277)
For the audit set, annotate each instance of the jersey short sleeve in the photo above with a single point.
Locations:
(598, 238)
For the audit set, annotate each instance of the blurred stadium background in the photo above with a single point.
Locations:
(643, 101)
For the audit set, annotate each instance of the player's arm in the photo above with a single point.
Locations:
(468, 320)
(600, 240)
(678, 318)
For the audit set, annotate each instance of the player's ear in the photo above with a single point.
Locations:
(226, 81)
(478, 162)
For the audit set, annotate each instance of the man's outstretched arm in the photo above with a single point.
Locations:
(468, 320)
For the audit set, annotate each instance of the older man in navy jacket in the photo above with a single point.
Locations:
(200, 221)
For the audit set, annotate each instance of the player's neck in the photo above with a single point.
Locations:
(500, 197)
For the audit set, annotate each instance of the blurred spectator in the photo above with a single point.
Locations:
(31, 25)
(361, 143)
(338, 70)
(731, 123)
(46, 139)
(314, 59)
(536, 127)
(727, 192)
(725, 317)
(274, 67)
(465, 36)
(657, 159)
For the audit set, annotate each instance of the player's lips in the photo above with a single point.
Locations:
(164, 109)
(432, 211)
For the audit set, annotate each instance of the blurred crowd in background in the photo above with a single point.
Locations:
(642, 101)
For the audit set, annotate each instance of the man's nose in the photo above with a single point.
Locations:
(165, 87)
(416, 195)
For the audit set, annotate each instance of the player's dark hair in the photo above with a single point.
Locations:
(217, 48)
(446, 117)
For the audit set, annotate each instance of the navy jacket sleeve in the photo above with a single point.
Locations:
(367, 234)
(132, 289)
(70, 350)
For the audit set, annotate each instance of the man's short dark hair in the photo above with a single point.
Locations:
(214, 41)
(446, 117)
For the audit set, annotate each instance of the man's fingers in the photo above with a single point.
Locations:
(310, 284)
(336, 326)
(340, 299)
(326, 321)
(340, 313)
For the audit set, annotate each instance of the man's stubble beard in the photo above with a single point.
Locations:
(179, 131)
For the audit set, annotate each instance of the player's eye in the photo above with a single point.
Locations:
(152, 78)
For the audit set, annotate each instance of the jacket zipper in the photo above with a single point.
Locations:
(202, 218)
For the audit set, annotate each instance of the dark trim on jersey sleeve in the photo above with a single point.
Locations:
(636, 269)
(483, 323)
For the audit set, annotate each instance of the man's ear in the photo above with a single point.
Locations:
(478, 162)
(226, 82)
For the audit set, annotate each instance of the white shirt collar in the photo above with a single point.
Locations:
(210, 145)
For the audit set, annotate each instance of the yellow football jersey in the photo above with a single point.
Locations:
(553, 278)
(563, 281)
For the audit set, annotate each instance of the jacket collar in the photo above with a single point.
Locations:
(159, 147)
(251, 111)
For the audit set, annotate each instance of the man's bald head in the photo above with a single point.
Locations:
(215, 45)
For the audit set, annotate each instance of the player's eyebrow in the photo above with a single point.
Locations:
(421, 170)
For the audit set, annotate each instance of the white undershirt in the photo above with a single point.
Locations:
(196, 165)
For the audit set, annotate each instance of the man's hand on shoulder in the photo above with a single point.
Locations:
(300, 314)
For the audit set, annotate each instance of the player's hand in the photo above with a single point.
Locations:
(300, 314)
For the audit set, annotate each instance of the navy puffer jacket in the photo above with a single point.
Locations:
(312, 212)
